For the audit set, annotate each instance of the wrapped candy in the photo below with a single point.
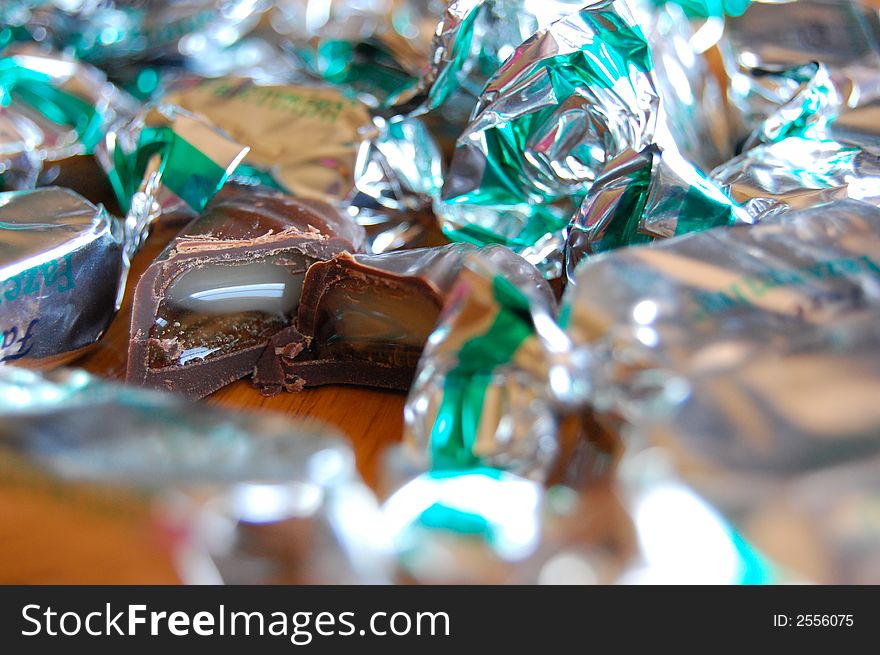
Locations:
(488, 526)
(233, 497)
(375, 49)
(570, 98)
(696, 342)
(810, 150)
(312, 141)
(765, 50)
(468, 406)
(114, 31)
(51, 108)
(473, 40)
(692, 107)
(62, 274)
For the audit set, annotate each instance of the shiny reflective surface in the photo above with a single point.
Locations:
(252, 498)
(214, 310)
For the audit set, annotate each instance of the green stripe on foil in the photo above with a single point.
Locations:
(251, 176)
(458, 419)
(38, 91)
(448, 78)
(700, 211)
(615, 52)
(184, 169)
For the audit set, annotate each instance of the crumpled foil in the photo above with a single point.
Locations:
(748, 357)
(798, 172)
(764, 49)
(692, 107)
(642, 196)
(570, 98)
(471, 404)
(62, 275)
(51, 107)
(110, 32)
(472, 41)
(375, 49)
(249, 498)
(313, 141)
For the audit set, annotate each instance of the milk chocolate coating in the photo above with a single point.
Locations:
(411, 284)
(241, 226)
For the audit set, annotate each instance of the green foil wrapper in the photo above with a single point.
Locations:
(470, 404)
(51, 107)
(569, 98)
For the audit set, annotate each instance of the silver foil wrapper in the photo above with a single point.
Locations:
(692, 105)
(765, 48)
(251, 498)
(375, 49)
(472, 403)
(569, 99)
(485, 526)
(113, 31)
(63, 270)
(471, 42)
(748, 357)
(311, 140)
(798, 172)
(53, 107)
(642, 196)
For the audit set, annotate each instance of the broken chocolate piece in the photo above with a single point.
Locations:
(206, 308)
(363, 320)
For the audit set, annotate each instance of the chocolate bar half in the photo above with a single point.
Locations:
(206, 308)
(364, 319)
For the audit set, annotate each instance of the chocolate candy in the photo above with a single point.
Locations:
(205, 309)
(363, 319)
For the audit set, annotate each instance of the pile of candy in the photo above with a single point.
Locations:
(623, 255)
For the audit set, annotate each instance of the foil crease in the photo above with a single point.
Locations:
(762, 47)
(472, 41)
(693, 107)
(570, 98)
(62, 275)
(642, 196)
(748, 358)
(798, 172)
(474, 401)
(251, 498)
